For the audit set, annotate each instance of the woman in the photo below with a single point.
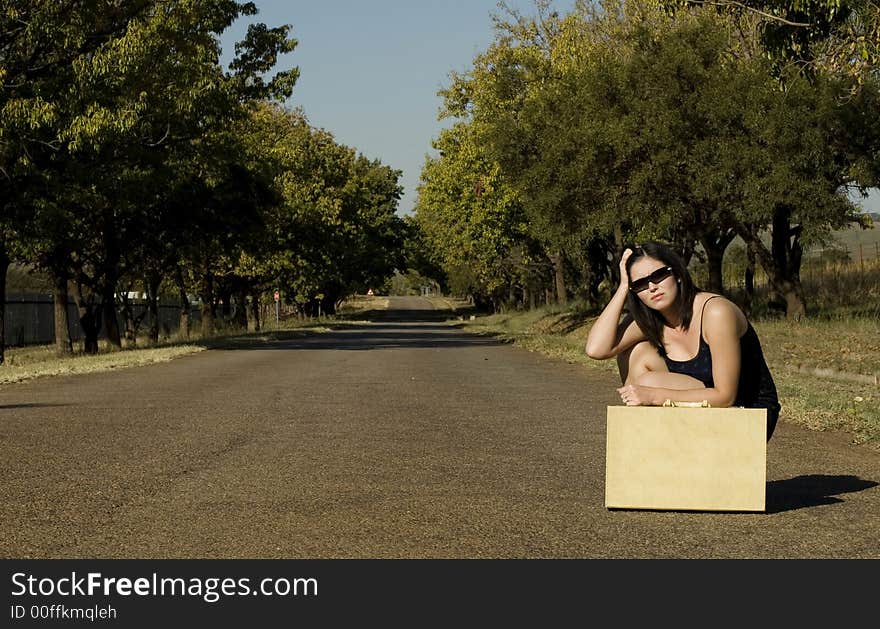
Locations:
(678, 342)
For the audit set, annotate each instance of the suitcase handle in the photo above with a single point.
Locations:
(671, 403)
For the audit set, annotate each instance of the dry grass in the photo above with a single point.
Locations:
(850, 346)
(452, 304)
(362, 303)
(847, 345)
(28, 363)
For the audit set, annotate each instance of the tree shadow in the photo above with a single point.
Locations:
(31, 405)
(430, 316)
(812, 490)
(357, 338)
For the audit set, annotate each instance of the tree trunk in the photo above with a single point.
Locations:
(89, 321)
(206, 293)
(749, 279)
(225, 304)
(558, 261)
(795, 300)
(714, 262)
(784, 280)
(152, 283)
(241, 320)
(4, 267)
(254, 318)
(63, 346)
(111, 321)
(328, 304)
(787, 253)
(128, 321)
(183, 300)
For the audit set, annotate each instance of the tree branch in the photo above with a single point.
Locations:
(745, 7)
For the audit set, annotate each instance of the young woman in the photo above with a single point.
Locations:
(678, 342)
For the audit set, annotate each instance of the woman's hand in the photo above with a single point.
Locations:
(634, 395)
(609, 335)
(624, 276)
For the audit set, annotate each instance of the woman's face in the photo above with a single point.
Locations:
(653, 283)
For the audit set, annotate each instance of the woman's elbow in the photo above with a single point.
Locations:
(595, 353)
(725, 399)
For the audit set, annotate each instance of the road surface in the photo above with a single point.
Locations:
(404, 437)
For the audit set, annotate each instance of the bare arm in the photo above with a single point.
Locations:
(609, 335)
(721, 329)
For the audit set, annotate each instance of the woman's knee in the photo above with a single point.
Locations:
(641, 359)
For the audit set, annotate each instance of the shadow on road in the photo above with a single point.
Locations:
(4, 407)
(369, 326)
(358, 340)
(411, 315)
(812, 490)
(371, 329)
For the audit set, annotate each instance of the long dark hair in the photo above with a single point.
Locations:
(650, 321)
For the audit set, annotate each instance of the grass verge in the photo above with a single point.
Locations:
(27, 363)
(35, 362)
(846, 349)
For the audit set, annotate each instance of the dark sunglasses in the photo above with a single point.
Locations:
(656, 277)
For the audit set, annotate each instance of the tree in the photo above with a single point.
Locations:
(473, 220)
(840, 37)
(151, 85)
(40, 41)
(334, 229)
(420, 256)
(626, 123)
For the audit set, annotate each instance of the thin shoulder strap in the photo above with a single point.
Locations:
(703, 311)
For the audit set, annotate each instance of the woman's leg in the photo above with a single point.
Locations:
(643, 365)
(638, 360)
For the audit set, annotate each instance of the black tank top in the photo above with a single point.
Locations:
(756, 388)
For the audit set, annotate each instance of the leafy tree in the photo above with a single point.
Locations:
(473, 220)
(420, 257)
(840, 37)
(629, 123)
(334, 229)
(40, 42)
(150, 86)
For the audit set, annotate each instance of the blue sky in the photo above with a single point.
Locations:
(370, 69)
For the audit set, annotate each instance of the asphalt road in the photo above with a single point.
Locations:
(404, 437)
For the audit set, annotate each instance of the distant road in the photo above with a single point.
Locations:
(404, 437)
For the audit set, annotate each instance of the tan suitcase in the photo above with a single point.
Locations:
(689, 459)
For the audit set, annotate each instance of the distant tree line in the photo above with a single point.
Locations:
(130, 159)
(627, 120)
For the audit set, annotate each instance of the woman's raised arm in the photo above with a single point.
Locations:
(609, 336)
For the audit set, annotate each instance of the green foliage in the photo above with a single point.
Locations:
(409, 283)
(468, 215)
(127, 152)
(621, 123)
(840, 37)
(420, 256)
(334, 230)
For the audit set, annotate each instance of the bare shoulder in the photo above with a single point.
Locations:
(721, 313)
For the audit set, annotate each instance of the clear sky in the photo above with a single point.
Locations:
(370, 69)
